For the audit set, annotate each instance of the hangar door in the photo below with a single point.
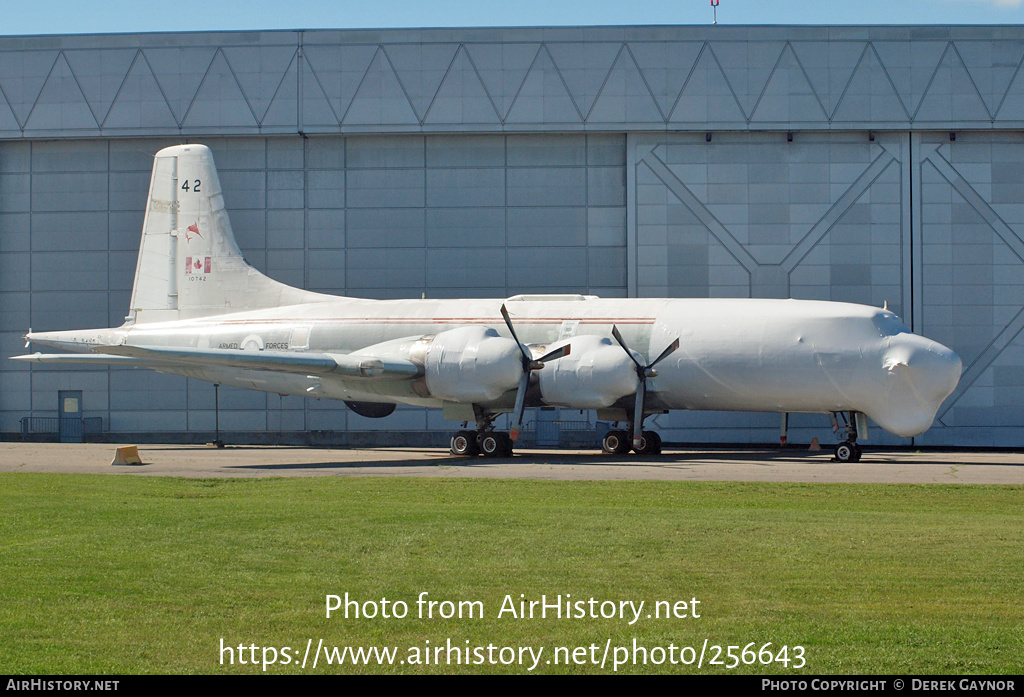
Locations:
(928, 224)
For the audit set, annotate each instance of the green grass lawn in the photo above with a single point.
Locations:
(121, 574)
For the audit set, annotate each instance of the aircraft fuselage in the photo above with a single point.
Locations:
(748, 355)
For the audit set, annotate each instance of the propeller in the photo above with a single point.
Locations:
(28, 342)
(642, 373)
(529, 364)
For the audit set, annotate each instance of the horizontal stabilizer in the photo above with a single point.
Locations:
(276, 361)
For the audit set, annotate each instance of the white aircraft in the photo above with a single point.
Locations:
(199, 310)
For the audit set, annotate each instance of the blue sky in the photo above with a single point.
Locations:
(80, 16)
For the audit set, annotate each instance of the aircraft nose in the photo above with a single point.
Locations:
(930, 369)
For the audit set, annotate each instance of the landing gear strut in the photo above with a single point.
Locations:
(846, 423)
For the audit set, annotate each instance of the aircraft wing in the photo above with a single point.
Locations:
(361, 366)
(87, 359)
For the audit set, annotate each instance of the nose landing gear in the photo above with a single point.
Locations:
(849, 423)
(848, 451)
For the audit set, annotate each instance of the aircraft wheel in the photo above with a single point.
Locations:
(491, 445)
(650, 443)
(643, 446)
(506, 444)
(847, 452)
(615, 443)
(464, 444)
(857, 452)
(653, 442)
(610, 442)
(625, 440)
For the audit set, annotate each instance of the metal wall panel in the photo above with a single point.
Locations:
(466, 227)
(466, 187)
(601, 78)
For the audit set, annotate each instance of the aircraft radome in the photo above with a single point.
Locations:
(199, 310)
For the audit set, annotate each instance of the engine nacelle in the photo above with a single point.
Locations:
(595, 375)
(471, 364)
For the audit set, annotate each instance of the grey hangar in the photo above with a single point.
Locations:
(863, 164)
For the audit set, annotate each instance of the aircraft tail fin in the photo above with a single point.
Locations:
(189, 263)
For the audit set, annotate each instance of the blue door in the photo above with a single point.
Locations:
(69, 409)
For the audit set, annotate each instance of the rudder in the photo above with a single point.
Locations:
(189, 263)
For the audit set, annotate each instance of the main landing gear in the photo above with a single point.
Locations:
(620, 442)
(846, 423)
(483, 441)
(488, 444)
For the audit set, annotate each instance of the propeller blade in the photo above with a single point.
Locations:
(508, 323)
(666, 353)
(556, 354)
(618, 337)
(517, 412)
(28, 342)
(638, 414)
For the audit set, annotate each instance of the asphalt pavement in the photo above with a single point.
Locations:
(699, 464)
